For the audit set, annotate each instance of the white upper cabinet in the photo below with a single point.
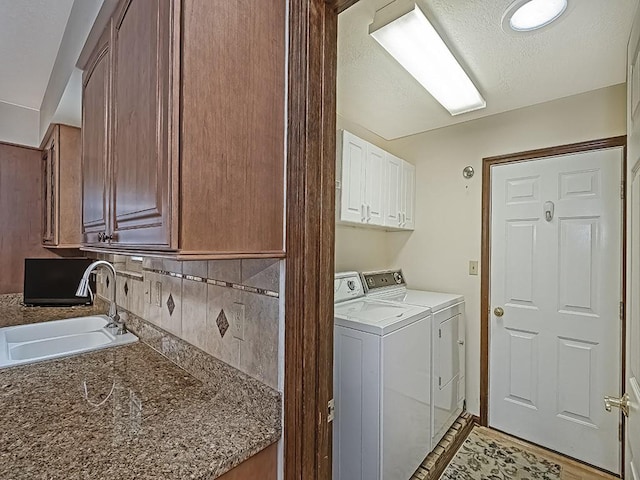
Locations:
(377, 188)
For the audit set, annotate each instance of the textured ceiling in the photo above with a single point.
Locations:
(30, 35)
(584, 50)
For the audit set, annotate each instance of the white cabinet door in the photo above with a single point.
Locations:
(408, 196)
(393, 187)
(354, 154)
(373, 191)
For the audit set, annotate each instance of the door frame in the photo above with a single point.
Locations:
(485, 261)
(310, 236)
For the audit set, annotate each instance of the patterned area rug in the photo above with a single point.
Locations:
(484, 458)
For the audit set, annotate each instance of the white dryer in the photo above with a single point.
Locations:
(447, 347)
(382, 368)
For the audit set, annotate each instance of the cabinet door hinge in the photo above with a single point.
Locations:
(331, 410)
(622, 190)
(621, 312)
(439, 381)
(439, 333)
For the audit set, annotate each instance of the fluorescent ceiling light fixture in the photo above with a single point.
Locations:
(404, 31)
(527, 15)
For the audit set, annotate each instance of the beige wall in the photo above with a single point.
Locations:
(448, 207)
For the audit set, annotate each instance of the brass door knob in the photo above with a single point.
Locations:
(498, 311)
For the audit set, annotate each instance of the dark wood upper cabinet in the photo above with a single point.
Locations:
(95, 146)
(61, 190)
(140, 181)
(196, 149)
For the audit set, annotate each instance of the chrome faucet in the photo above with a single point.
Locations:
(83, 291)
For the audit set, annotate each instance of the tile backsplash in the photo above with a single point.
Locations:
(201, 302)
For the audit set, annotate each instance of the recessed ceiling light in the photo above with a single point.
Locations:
(528, 15)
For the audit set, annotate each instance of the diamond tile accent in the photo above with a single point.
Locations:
(171, 305)
(223, 323)
(126, 288)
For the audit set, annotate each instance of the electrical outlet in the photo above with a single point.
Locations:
(159, 294)
(237, 316)
(473, 267)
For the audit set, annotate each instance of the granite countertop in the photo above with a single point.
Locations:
(125, 413)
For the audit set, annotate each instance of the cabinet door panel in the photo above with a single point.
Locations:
(354, 153)
(374, 192)
(95, 95)
(408, 196)
(393, 187)
(140, 154)
(49, 193)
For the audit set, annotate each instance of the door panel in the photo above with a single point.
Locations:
(523, 371)
(393, 189)
(632, 432)
(140, 153)
(95, 149)
(577, 367)
(408, 195)
(354, 152)
(555, 352)
(520, 264)
(447, 370)
(374, 187)
(578, 265)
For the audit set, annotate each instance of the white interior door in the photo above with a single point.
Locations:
(555, 351)
(632, 437)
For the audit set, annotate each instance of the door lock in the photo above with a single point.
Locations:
(498, 311)
(622, 403)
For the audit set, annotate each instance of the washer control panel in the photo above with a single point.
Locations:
(386, 279)
(347, 286)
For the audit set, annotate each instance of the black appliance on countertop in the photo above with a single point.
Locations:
(54, 281)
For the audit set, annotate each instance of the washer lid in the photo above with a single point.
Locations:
(377, 317)
(435, 300)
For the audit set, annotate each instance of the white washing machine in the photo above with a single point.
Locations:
(382, 368)
(447, 347)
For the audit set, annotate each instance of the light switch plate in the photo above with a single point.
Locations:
(473, 267)
(237, 317)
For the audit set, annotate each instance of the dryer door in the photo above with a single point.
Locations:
(446, 372)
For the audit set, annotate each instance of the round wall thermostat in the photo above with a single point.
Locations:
(468, 172)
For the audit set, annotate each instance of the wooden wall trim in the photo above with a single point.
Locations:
(485, 304)
(310, 239)
(17, 145)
